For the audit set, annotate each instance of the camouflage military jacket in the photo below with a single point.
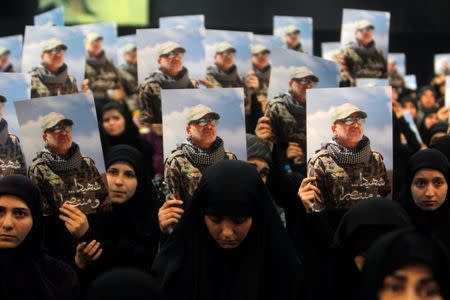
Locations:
(341, 186)
(181, 176)
(102, 76)
(396, 80)
(12, 160)
(149, 93)
(288, 120)
(365, 62)
(40, 88)
(263, 77)
(128, 76)
(83, 187)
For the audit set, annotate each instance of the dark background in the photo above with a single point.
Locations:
(418, 28)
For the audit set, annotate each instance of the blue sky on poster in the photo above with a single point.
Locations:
(400, 60)
(52, 17)
(375, 101)
(36, 36)
(77, 107)
(410, 81)
(241, 40)
(267, 40)
(371, 82)
(284, 62)
(148, 41)
(185, 22)
(330, 49)
(379, 19)
(305, 24)
(109, 33)
(227, 102)
(122, 41)
(14, 86)
(440, 60)
(14, 44)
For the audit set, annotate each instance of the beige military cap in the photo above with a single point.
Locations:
(303, 72)
(259, 48)
(224, 46)
(52, 119)
(53, 44)
(169, 46)
(363, 24)
(345, 110)
(199, 111)
(291, 29)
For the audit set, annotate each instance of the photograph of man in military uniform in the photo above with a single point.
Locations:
(229, 59)
(62, 147)
(101, 74)
(5, 64)
(396, 72)
(54, 56)
(11, 53)
(13, 86)
(183, 22)
(357, 161)
(204, 127)
(441, 64)
(364, 44)
(12, 160)
(294, 32)
(261, 67)
(170, 59)
(52, 77)
(128, 73)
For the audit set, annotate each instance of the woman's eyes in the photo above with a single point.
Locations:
(130, 175)
(114, 172)
(239, 220)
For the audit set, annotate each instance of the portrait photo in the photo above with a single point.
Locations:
(296, 33)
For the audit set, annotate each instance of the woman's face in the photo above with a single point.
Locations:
(228, 232)
(15, 221)
(113, 122)
(411, 282)
(122, 182)
(429, 189)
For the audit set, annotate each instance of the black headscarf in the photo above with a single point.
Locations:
(443, 145)
(191, 265)
(135, 221)
(123, 283)
(26, 272)
(436, 222)
(400, 249)
(130, 136)
(359, 228)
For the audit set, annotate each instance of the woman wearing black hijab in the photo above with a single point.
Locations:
(230, 243)
(443, 145)
(117, 128)
(123, 283)
(426, 197)
(135, 229)
(359, 228)
(406, 264)
(26, 272)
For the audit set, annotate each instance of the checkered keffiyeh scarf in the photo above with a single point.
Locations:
(346, 156)
(57, 163)
(200, 157)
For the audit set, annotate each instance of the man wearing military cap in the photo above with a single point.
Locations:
(171, 75)
(103, 77)
(128, 75)
(346, 169)
(284, 124)
(12, 160)
(292, 38)
(396, 80)
(184, 167)
(362, 59)
(224, 74)
(62, 173)
(262, 68)
(52, 78)
(5, 64)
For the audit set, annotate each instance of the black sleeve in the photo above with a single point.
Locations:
(411, 138)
